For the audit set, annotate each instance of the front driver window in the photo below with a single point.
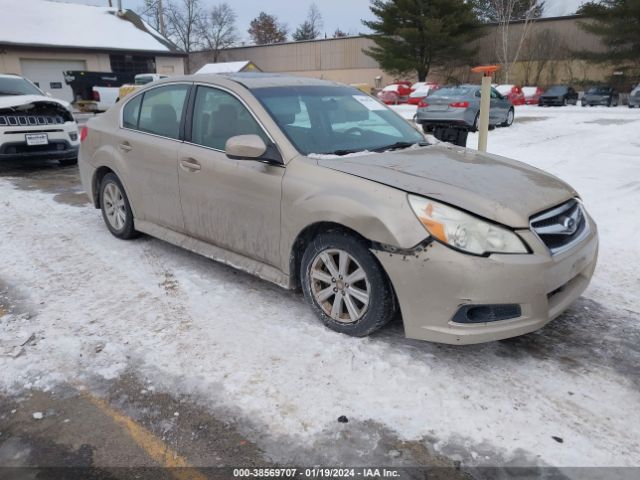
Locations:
(218, 116)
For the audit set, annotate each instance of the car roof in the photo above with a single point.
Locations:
(252, 80)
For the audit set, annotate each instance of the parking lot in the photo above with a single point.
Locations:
(140, 353)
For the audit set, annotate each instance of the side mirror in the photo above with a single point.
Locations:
(245, 147)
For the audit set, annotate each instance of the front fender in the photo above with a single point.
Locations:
(313, 194)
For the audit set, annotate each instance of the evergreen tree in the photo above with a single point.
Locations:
(414, 35)
(617, 23)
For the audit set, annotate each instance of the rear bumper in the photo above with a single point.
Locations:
(456, 116)
(434, 284)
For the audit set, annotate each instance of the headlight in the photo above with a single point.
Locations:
(463, 231)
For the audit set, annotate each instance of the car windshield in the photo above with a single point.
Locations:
(598, 90)
(17, 86)
(452, 92)
(335, 120)
(143, 80)
(557, 90)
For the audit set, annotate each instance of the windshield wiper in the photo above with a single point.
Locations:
(344, 151)
(399, 146)
(10, 93)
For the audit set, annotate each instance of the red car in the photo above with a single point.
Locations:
(395, 93)
(532, 95)
(513, 93)
(420, 92)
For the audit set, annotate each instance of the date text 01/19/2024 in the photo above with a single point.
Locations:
(315, 472)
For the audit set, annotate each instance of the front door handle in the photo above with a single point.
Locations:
(190, 165)
(125, 147)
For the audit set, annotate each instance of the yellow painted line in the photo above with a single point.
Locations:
(158, 450)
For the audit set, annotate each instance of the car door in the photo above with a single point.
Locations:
(234, 204)
(496, 112)
(149, 141)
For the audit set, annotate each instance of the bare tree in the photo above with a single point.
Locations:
(310, 28)
(184, 18)
(153, 12)
(218, 29)
(509, 44)
(538, 51)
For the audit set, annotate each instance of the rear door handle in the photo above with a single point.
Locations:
(190, 165)
(125, 147)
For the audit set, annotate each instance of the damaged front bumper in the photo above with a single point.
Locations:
(438, 289)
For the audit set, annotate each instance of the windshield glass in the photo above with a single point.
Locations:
(557, 90)
(598, 91)
(452, 92)
(17, 86)
(335, 120)
(143, 80)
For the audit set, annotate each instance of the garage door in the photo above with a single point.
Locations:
(47, 74)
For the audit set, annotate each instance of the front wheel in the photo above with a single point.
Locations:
(345, 285)
(116, 209)
(509, 120)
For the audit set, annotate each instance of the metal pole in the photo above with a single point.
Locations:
(161, 18)
(485, 105)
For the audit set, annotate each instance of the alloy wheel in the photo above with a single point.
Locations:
(114, 206)
(339, 285)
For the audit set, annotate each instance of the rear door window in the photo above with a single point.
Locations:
(162, 110)
(131, 113)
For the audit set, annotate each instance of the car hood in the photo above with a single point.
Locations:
(8, 101)
(493, 187)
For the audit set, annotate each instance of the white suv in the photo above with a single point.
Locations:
(33, 125)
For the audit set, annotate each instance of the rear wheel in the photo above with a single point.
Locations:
(345, 285)
(116, 210)
(476, 122)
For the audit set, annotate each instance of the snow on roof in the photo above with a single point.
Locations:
(46, 23)
(224, 67)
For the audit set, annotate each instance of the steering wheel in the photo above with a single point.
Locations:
(357, 130)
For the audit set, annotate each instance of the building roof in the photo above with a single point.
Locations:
(42, 23)
(228, 67)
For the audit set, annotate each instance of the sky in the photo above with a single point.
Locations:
(344, 14)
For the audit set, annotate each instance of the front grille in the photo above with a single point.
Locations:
(30, 120)
(21, 147)
(561, 227)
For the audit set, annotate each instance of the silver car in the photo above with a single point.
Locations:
(317, 186)
(634, 98)
(460, 105)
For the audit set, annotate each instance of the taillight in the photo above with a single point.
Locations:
(96, 96)
(84, 131)
(459, 104)
(422, 104)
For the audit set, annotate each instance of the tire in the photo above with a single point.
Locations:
(68, 162)
(322, 289)
(116, 210)
(476, 123)
(426, 128)
(510, 117)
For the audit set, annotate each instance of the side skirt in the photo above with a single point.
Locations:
(235, 260)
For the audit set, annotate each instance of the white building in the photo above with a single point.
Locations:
(40, 39)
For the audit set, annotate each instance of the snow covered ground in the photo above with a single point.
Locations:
(100, 307)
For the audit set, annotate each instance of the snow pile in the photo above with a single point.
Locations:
(39, 22)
